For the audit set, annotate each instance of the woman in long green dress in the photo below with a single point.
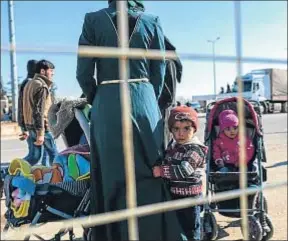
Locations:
(107, 165)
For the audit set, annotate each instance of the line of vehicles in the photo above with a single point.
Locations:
(269, 87)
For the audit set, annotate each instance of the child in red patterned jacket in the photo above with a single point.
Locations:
(183, 166)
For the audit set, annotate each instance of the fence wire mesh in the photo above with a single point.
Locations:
(124, 53)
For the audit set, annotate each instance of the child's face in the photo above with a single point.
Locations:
(183, 131)
(231, 131)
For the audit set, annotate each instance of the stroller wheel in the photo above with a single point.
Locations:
(254, 228)
(6, 227)
(87, 234)
(257, 202)
(210, 226)
(270, 232)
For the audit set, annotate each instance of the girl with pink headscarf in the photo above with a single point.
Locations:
(226, 146)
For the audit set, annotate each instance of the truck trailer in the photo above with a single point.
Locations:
(269, 87)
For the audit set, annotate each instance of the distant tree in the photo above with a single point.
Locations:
(8, 87)
(53, 91)
(2, 90)
(1, 83)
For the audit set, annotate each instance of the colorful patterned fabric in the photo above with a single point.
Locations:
(184, 166)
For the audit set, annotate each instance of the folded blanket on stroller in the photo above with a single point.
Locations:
(24, 184)
(61, 114)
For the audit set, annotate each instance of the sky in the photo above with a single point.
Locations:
(188, 24)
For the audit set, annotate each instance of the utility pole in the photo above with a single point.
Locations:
(214, 65)
(14, 79)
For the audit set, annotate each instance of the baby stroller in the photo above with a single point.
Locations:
(65, 200)
(256, 175)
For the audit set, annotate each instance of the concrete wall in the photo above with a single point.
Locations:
(10, 129)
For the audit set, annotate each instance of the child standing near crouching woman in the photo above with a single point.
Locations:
(184, 165)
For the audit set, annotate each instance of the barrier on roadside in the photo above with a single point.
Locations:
(9, 129)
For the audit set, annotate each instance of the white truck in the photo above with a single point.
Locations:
(267, 86)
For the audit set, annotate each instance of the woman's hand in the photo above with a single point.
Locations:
(39, 141)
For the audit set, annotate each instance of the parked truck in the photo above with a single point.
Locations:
(267, 86)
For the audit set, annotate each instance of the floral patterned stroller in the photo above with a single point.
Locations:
(52, 202)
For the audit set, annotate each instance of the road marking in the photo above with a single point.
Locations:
(277, 132)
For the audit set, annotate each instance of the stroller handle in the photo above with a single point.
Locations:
(83, 122)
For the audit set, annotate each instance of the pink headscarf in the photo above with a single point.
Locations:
(228, 118)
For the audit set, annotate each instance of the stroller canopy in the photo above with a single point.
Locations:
(250, 115)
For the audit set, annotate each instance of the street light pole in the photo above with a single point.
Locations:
(14, 81)
(214, 65)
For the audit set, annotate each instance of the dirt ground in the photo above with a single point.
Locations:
(276, 149)
(229, 229)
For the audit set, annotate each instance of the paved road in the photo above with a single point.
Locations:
(275, 124)
(13, 148)
(275, 129)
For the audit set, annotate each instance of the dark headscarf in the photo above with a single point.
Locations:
(132, 4)
(31, 68)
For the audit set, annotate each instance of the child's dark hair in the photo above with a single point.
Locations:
(44, 64)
